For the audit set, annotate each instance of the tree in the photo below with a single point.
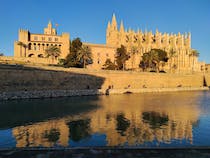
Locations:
(171, 54)
(84, 55)
(21, 44)
(1, 54)
(153, 58)
(194, 53)
(71, 59)
(121, 57)
(133, 52)
(147, 61)
(53, 52)
(109, 65)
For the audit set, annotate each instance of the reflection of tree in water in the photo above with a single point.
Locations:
(196, 123)
(155, 119)
(52, 135)
(79, 129)
(122, 124)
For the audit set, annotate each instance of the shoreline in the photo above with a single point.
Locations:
(17, 95)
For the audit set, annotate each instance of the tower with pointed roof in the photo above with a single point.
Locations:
(112, 32)
(49, 30)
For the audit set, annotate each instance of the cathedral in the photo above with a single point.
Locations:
(138, 43)
(31, 47)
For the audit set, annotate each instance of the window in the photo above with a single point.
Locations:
(43, 38)
(49, 39)
(35, 38)
(29, 46)
(56, 39)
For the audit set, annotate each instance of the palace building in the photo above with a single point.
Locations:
(32, 47)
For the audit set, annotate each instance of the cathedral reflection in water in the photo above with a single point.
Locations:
(122, 120)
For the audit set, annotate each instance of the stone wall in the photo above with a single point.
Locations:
(151, 80)
(70, 82)
(25, 60)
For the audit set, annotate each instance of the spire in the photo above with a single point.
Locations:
(121, 27)
(49, 29)
(114, 22)
(189, 34)
(109, 25)
(49, 24)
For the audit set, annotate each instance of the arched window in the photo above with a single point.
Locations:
(35, 46)
(38, 46)
(31, 55)
(40, 56)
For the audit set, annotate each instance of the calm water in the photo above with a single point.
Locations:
(135, 120)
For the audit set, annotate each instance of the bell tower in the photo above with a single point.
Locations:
(49, 30)
(112, 32)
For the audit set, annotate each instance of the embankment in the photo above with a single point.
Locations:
(33, 82)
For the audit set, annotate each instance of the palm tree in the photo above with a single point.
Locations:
(171, 55)
(21, 44)
(194, 53)
(84, 55)
(153, 58)
(133, 52)
(53, 52)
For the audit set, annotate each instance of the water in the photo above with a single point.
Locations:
(178, 119)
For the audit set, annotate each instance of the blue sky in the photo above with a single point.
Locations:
(88, 19)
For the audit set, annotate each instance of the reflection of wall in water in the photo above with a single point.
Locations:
(122, 121)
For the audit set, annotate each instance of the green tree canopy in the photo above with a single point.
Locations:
(109, 65)
(71, 59)
(153, 58)
(80, 55)
(194, 53)
(53, 52)
(121, 57)
(84, 55)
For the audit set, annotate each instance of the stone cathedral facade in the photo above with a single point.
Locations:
(138, 43)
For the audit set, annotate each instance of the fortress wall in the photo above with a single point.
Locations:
(23, 60)
(30, 79)
(152, 80)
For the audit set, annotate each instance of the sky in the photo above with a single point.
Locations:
(88, 19)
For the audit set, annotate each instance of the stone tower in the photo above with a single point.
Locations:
(49, 30)
(112, 33)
